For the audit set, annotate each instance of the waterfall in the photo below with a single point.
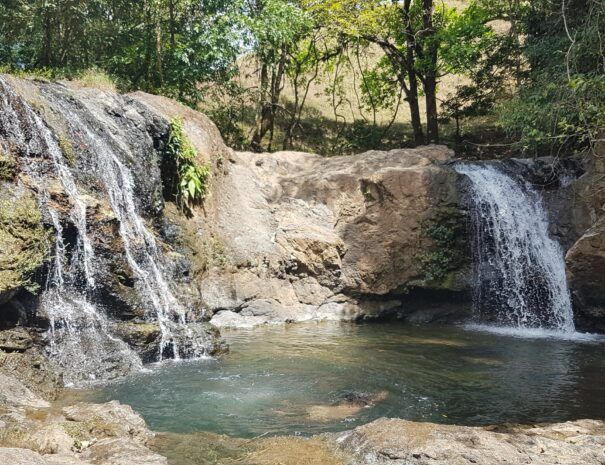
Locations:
(80, 340)
(141, 249)
(519, 269)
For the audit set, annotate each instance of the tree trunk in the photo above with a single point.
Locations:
(412, 93)
(412, 99)
(430, 78)
(172, 14)
(261, 109)
(46, 55)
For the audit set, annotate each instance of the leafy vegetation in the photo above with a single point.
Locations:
(337, 76)
(190, 181)
(446, 256)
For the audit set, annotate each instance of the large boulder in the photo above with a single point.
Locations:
(293, 236)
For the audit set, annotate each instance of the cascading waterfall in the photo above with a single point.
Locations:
(77, 328)
(519, 268)
(141, 249)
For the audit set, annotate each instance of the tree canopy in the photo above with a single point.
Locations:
(343, 74)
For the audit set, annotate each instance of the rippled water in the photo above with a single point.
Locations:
(292, 380)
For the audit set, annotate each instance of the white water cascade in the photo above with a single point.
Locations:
(80, 340)
(140, 246)
(519, 268)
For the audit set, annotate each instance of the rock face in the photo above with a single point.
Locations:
(586, 268)
(400, 442)
(293, 236)
(22, 360)
(99, 136)
(312, 238)
(586, 258)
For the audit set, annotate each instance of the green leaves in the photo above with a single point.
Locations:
(192, 178)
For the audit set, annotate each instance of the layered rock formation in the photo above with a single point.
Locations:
(33, 432)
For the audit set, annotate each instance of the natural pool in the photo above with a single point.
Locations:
(307, 379)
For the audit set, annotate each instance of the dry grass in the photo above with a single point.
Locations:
(96, 79)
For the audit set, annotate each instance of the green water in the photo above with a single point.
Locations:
(288, 380)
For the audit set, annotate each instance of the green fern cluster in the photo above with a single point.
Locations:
(192, 182)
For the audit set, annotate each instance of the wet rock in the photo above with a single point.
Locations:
(586, 271)
(142, 337)
(15, 340)
(393, 441)
(192, 339)
(199, 339)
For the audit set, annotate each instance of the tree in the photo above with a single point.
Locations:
(167, 46)
(560, 102)
(410, 33)
(275, 26)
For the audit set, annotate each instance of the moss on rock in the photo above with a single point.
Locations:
(8, 166)
(23, 241)
(440, 262)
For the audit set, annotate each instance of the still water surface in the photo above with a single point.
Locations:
(306, 379)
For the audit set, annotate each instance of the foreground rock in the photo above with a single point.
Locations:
(32, 432)
(400, 442)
